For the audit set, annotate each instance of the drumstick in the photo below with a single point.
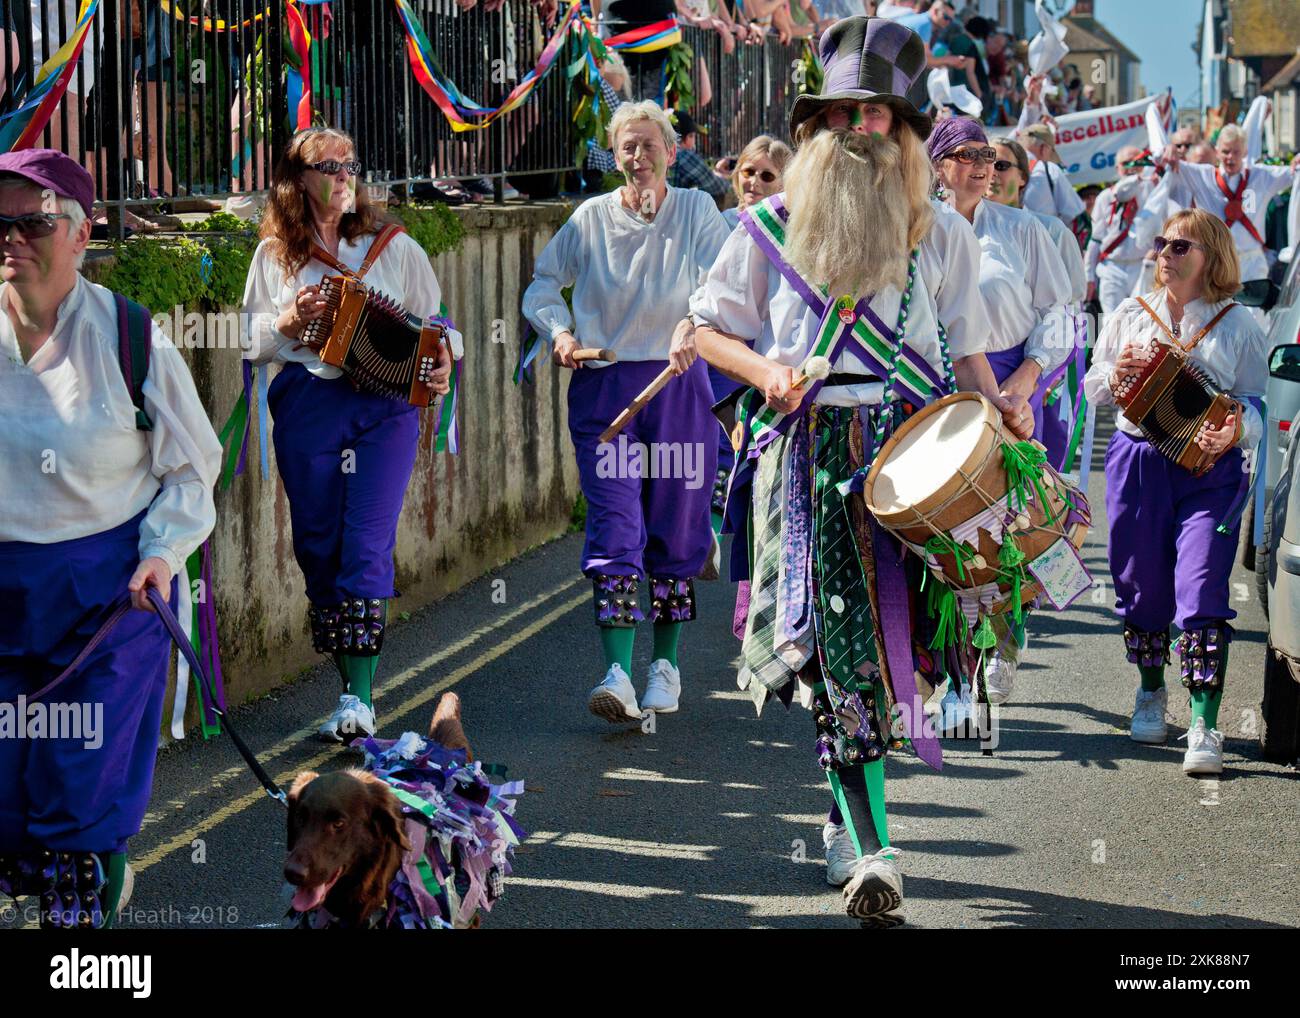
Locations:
(590, 354)
(814, 369)
(638, 404)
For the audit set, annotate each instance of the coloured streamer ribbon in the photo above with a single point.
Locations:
(448, 98)
(24, 125)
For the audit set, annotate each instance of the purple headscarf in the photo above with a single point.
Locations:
(950, 133)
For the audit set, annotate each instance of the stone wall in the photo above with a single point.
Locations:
(512, 486)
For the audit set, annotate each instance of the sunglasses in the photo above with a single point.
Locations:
(1177, 248)
(968, 156)
(1183, 144)
(329, 167)
(766, 176)
(32, 226)
(1002, 165)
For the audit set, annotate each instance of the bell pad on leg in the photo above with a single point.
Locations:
(1204, 654)
(616, 600)
(71, 886)
(1146, 648)
(354, 626)
(671, 600)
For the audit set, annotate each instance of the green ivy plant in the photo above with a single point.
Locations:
(680, 86)
(434, 227)
(207, 268)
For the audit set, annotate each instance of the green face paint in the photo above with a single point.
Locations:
(326, 191)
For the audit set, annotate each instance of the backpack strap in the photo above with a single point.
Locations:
(134, 332)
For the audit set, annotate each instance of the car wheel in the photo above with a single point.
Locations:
(1261, 563)
(1279, 734)
(1247, 535)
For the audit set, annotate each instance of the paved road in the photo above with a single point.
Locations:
(702, 824)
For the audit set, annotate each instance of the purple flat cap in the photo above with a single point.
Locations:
(868, 60)
(48, 168)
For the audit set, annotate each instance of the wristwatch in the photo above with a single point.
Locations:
(1040, 361)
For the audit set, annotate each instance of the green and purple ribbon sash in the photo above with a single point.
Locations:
(868, 338)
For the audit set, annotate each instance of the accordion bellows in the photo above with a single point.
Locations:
(377, 343)
(1171, 401)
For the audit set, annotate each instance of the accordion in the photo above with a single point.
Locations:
(1171, 401)
(378, 344)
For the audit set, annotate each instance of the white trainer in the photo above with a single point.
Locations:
(663, 689)
(615, 698)
(841, 856)
(999, 677)
(1148, 723)
(329, 731)
(1204, 749)
(957, 714)
(876, 885)
(355, 719)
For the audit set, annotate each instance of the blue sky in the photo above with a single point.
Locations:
(1161, 32)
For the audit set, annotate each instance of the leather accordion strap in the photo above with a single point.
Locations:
(1195, 339)
(377, 246)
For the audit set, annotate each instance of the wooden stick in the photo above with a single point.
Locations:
(590, 354)
(635, 407)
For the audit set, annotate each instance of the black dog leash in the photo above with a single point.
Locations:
(114, 614)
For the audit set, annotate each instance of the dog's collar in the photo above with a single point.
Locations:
(322, 919)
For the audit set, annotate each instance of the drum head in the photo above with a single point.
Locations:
(929, 455)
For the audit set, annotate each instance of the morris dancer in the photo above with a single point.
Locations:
(1115, 252)
(1168, 560)
(1238, 194)
(1006, 187)
(757, 176)
(1048, 189)
(1025, 289)
(345, 456)
(862, 229)
(633, 256)
(109, 462)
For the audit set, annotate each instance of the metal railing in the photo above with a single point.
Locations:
(160, 109)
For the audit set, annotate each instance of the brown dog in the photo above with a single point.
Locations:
(346, 832)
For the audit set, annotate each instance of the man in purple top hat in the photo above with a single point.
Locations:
(856, 224)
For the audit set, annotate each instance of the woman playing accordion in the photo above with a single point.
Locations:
(345, 454)
(1169, 558)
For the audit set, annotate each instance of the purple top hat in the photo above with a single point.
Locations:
(868, 60)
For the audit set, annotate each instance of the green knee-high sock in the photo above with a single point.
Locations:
(617, 642)
(860, 794)
(359, 675)
(1153, 677)
(666, 635)
(718, 520)
(1206, 705)
(115, 872)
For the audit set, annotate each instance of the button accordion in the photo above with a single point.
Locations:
(379, 345)
(1172, 401)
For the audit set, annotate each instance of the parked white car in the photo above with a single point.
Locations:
(1282, 399)
(1279, 556)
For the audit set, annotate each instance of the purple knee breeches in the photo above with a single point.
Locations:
(345, 458)
(89, 792)
(648, 491)
(1168, 561)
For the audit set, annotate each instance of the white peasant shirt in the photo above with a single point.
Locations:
(74, 462)
(1234, 354)
(402, 271)
(632, 279)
